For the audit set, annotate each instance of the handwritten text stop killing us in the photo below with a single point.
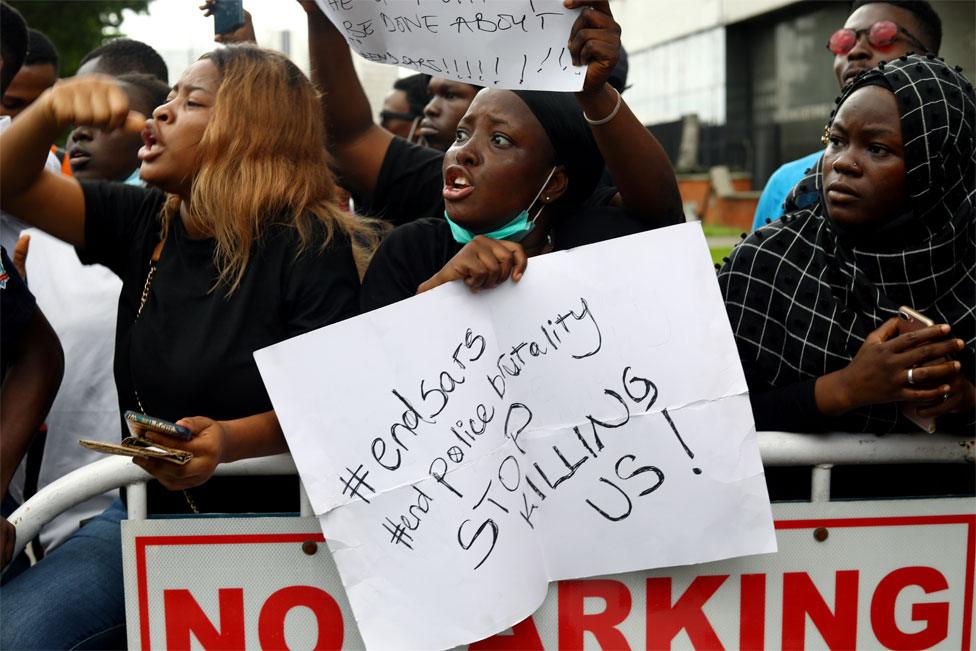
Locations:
(523, 481)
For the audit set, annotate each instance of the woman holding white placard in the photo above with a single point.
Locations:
(519, 179)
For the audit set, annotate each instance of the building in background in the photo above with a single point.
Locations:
(756, 72)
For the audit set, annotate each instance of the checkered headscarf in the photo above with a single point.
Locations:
(802, 295)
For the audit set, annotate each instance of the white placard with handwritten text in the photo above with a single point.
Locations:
(515, 44)
(463, 450)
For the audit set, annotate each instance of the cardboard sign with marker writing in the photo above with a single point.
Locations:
(463, 450)
(515, 44)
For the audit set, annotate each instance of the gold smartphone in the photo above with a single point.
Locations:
(910, 321)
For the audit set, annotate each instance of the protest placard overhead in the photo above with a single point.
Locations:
(494, 43)
(463, 450)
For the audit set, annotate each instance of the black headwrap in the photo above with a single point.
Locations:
(562, 118)
(802, 294)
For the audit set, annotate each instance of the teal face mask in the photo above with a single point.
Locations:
(514, 231)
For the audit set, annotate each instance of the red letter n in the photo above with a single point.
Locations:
(665, 621)
(801, 598)
(184, 616)
(573, 622)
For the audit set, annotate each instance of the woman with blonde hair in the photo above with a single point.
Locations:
(238, 245)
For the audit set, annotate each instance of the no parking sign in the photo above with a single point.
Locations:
(847, 575)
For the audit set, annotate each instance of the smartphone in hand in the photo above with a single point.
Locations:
(228, 16)
(139, 423)
(909, 321)
(138, 446)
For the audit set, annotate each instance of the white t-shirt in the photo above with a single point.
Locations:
(10, 226)
(81, 303)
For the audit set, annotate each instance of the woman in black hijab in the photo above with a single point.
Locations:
(886, 220)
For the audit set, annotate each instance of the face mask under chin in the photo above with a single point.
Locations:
(515, 230)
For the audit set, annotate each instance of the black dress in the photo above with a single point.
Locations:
(190, 353)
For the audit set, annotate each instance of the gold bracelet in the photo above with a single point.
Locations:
(613, 113)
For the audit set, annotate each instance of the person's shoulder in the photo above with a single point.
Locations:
(312, 234)
(420, 231)
(400, 149)
(102, 185)
(115, 192)
(772, 201)
(775, 239)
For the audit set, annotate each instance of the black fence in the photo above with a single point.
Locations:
(714, 146)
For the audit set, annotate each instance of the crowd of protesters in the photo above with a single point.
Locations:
(138, 274)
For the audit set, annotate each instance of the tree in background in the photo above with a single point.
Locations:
(77, 26)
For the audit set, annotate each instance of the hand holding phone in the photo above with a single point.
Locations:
(138, 446)
(910, 321)
(228, 15)
(139, 423)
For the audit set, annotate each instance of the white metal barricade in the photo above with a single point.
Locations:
(821, 451)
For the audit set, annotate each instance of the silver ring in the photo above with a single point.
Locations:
(945, 396)
(911, 380)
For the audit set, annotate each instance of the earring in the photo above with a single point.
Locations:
(546, 199)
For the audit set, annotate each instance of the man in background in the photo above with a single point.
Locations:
(31, 360)
(404, 105)
(124, 56)
(81, 300)
(39, 72)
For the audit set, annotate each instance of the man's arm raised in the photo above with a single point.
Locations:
(356, 143)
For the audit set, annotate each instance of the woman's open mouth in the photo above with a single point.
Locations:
(457, 184)
(151, 148)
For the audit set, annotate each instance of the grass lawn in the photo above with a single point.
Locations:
(711, 230)
(718, 253)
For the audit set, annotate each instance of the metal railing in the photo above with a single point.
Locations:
(821, 451)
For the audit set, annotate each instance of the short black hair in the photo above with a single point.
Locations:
(40, 50)
(152, 90)
(123, 55)
(13, 43)
(928, 19)
(415, 86)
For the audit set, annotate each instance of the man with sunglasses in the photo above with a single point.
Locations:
(875, 31)
(403, 107)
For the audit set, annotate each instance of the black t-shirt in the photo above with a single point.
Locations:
(16, 310)
(409, 184)
(597, 221)
(190, 353)
(408, 256)
(414, 252)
